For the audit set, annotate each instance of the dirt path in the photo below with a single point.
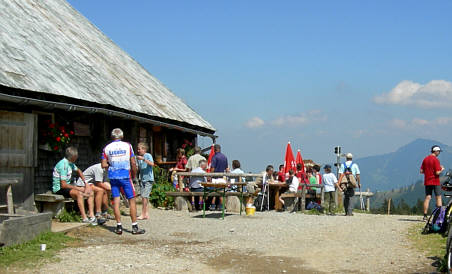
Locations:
(265, 243)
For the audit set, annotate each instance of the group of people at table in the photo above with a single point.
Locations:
(291, 180)
(119, 165)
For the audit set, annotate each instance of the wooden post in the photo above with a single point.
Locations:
(389, 206)
(9, 200)
(303, 197)
(322, 195)
(336, 198)
(368, 201)
(181, 184)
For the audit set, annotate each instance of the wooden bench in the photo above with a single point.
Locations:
(295, 201)
(182, 201)
(9, 194)
(49, 202)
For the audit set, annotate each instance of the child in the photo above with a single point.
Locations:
(145, 164)
(329, 180)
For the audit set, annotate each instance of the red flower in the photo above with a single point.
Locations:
(66, 135)
(184, 145)
(51, 125)
(71, 132)
(61, 128)
(190, 144)
(58, 139)
(55, 148)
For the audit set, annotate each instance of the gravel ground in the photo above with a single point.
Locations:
(268, 242)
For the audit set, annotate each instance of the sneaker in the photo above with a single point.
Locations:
(220, 208)
(118, 229)
(136, 230)
(93, 221)
(212, 208)
(425, 219)
(101, 221)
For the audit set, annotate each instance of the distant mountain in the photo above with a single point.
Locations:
(400, 168)
(410, 194)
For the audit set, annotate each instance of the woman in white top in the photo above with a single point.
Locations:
(293, 183)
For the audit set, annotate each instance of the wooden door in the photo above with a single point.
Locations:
(18, 153)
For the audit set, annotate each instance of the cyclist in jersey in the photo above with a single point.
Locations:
(119, 158)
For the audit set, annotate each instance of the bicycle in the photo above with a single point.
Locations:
(446, 185)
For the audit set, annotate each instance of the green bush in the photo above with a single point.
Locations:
(68, 216)
(161, 185)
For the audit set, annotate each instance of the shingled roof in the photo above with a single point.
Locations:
(48, 47)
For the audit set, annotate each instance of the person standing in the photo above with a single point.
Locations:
(145, 164)
(431, 168)
(119, 158)
(329, 182)
(219, 164)
(193, 161)
(349, 178)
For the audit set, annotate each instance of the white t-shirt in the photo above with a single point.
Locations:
(328, 180)
(293, 187)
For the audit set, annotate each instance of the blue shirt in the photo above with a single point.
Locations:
(219, 162)
(146, 171)
(354, 167)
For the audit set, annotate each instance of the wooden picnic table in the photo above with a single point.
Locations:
(210, 187)
(277, 186)
(9, 193)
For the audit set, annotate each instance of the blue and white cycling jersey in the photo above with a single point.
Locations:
(118, 154)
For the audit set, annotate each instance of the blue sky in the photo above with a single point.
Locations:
(367, 75)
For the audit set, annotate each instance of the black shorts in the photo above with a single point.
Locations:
(64, 192)
(430, 189)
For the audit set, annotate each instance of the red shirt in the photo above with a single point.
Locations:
(182, 162)
(430, 166)
(281, 176)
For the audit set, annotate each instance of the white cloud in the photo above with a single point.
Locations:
(299, 119)
(417, 123)
(436, 93)
(254, 122)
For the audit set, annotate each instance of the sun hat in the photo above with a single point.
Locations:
(349, 155)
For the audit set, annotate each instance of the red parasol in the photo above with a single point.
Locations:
(212, 152)
(299, 160)
(289, 162)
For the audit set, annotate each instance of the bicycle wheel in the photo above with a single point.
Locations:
(449, 251)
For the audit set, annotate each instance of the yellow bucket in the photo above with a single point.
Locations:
(250, 211)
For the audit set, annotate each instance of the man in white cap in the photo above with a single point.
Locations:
(431, 168)
(349, 179)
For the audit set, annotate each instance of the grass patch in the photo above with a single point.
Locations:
(69, 216)
(29, 254)
(433, 244)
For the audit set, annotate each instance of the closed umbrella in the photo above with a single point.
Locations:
(289, 160)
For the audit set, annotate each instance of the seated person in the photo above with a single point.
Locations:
(62, 174)
(96, 178)
(195, 182)
(268, 175)
(293, 182)
(236, 170)
(312, 181)
(281, 174)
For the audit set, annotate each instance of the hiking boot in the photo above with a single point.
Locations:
(118, 229)
(136, 230)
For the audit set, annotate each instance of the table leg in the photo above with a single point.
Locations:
(224, 198)
(278, 205)
(241, 200)
(204, 203)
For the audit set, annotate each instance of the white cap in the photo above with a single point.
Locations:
(436, 148)
(349, 156)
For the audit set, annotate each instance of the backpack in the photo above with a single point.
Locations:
(437, 221)
(261, 197)
(348, 181)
